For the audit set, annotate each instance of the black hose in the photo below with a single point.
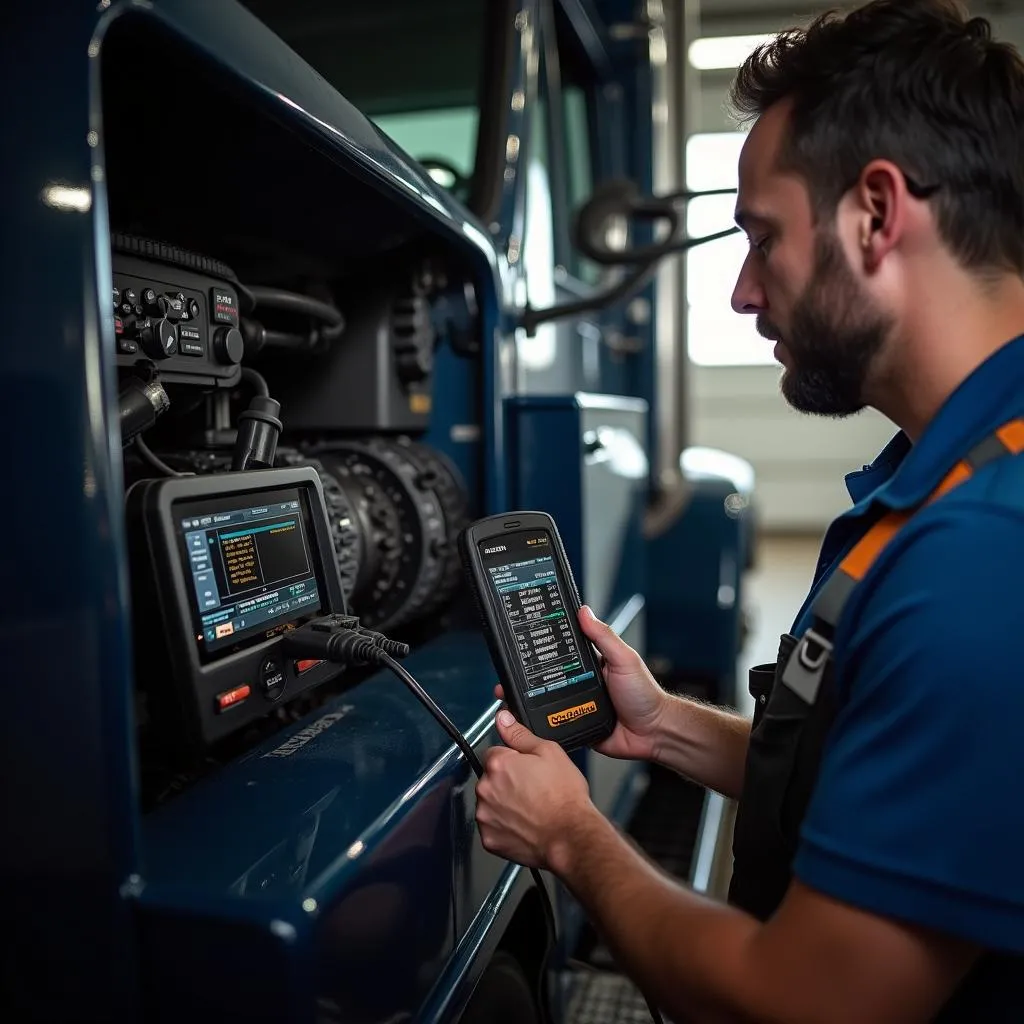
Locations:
(293, 302)
(283, 339)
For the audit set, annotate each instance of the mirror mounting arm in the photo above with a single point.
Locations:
(531, 318)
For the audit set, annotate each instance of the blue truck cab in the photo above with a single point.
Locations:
(318, 263)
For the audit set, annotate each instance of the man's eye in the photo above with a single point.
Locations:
(761, 245)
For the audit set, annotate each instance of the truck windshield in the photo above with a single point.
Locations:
(414, 67)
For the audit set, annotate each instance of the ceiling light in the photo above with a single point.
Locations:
(715, 53)
(67, 198)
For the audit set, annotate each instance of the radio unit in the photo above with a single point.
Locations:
(222, 566)
(177, 310)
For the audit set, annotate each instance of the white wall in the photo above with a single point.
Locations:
(799, 461)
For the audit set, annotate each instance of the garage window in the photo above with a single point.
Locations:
(716, 335)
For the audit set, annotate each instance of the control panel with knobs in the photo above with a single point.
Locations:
(184, 321)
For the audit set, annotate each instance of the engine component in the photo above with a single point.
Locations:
(409, 507)
(341, 517)
(413, 338)
(308, 388)
(178, 309)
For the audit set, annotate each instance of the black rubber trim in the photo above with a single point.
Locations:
(148, 248)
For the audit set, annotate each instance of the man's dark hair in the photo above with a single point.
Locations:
(916, 82)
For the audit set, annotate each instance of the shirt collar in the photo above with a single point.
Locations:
(863, 483)
(904, 475)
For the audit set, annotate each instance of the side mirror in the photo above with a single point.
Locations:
(601, 229)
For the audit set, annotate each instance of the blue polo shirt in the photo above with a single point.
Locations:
(918, 811)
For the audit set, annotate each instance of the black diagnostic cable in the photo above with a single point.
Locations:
(147, 454)
(340, 638)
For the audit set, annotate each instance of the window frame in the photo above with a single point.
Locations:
(560, 27)
(497, 70)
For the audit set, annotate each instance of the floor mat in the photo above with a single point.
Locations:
(600, 998)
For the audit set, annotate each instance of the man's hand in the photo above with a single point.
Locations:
(531, 797)
(638, 699)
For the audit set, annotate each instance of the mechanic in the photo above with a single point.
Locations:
(880, 831)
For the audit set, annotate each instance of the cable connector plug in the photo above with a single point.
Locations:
(393, 647)
(340, 639)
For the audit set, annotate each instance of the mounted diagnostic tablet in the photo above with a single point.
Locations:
(222, 566)
(529, 605)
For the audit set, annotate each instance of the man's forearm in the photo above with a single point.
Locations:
(687, 953)
(705, 744)
(816, 961)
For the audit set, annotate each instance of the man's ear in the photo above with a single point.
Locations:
(881, 201)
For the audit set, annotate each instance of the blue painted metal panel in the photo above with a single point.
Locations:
(328, 855)
(67, 782)
(454, 987)
(456, 416)
(591, 32)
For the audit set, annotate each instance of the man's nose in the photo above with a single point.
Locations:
(748, 295)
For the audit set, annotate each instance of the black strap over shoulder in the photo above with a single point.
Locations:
(761, 678)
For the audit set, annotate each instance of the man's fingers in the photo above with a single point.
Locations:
(617, 653)
(515, 735)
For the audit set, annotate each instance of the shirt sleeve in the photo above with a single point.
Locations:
(917, 813)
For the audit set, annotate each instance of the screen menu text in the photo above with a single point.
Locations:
(526, 584)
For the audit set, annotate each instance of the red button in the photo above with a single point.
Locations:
(232, 697)
(306, 664)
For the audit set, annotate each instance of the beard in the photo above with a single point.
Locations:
(834, 336)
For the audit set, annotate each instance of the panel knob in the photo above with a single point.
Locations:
(228, 345)
(158, 338)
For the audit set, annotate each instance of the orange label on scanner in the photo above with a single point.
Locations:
(571, 714)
